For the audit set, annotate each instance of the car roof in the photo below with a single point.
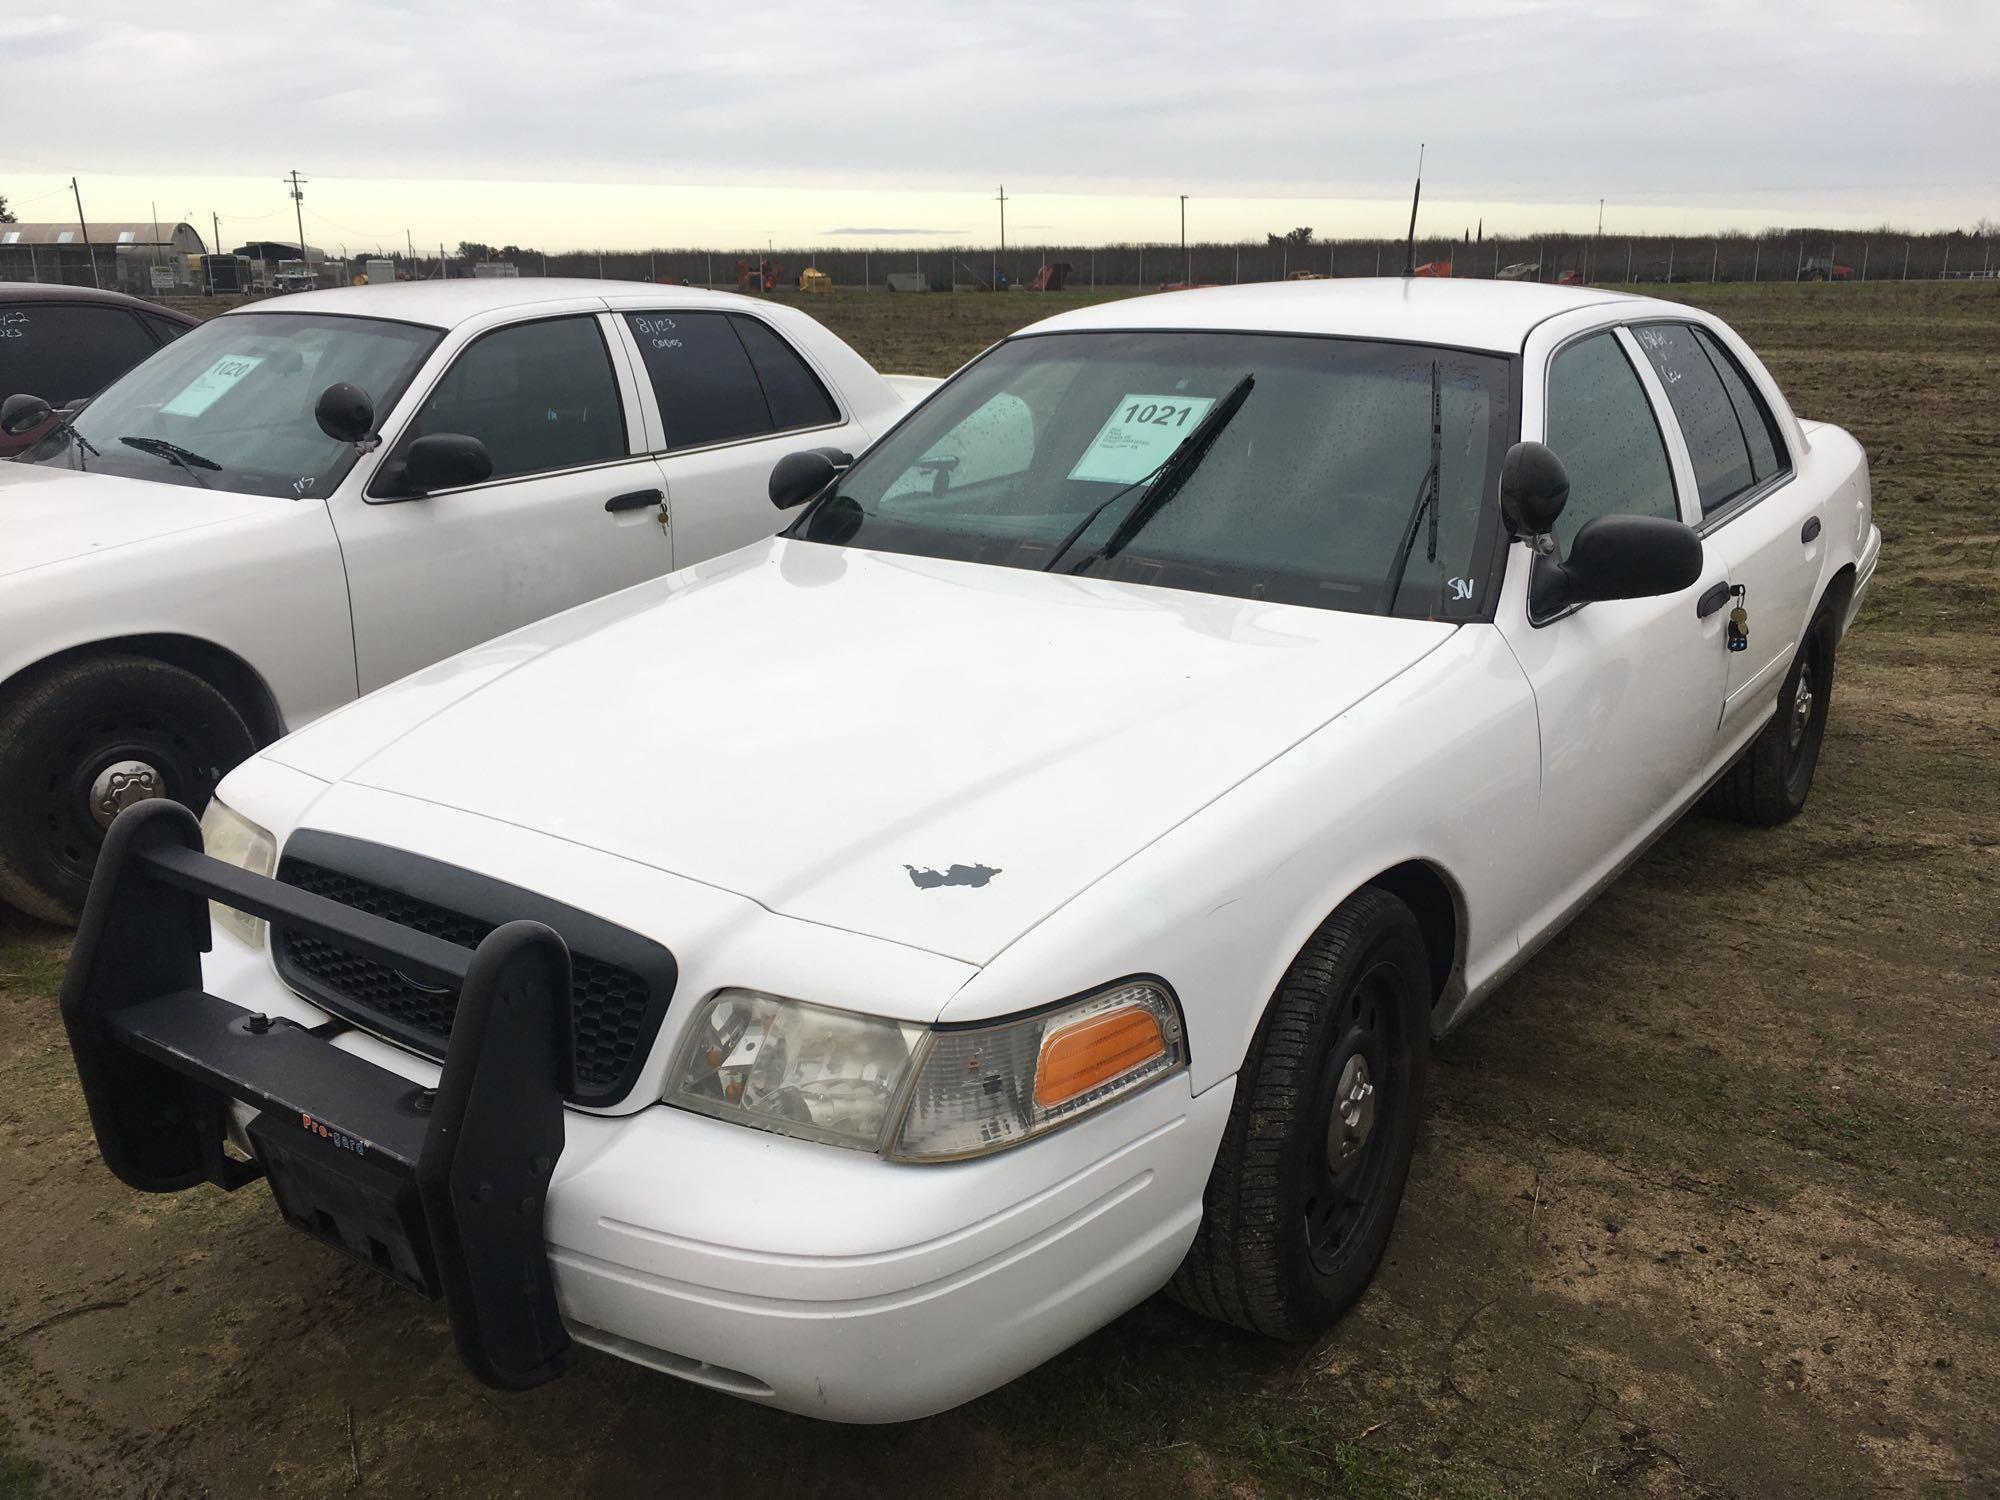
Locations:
(43, 291)
(1456, 313)
(444, 304)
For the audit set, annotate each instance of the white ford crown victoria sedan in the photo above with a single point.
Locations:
(304, 499)
(849, 971)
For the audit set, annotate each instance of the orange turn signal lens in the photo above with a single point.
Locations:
(1092, 1053)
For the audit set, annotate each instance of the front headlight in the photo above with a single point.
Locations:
(232, 838)
(798, 1069)
(914, 1093)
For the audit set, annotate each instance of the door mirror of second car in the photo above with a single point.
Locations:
(798, 477)
(1617, 557)
(22, 414)
(345, 413)
(442, 461)
(1534, 487)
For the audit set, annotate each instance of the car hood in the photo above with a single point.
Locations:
(50, 515)
(931, 752)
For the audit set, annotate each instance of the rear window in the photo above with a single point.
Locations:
(707, 388)
(1731, 435)
(63, 352)
(719, 377)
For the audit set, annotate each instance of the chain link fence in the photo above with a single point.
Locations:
(1880, 255)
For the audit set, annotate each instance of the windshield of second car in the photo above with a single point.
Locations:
(1318, 488)
(230, 404)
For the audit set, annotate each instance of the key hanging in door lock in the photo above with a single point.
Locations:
(1738, 629)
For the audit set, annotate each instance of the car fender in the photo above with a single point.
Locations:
(267, 592)
(1440, 766)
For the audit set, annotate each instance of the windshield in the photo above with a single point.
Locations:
(1312, 485)
(230, 404)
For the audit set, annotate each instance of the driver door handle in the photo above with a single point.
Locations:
(633, 500)
(1711, 601)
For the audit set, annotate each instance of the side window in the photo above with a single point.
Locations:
(1760, 428)
(64, 351)
(796, 396)
(1714, 433)
(701, 373)
(166, 330)
(1601, 426)
(540, 396)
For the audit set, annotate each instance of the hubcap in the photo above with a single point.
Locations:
(119, 785)
(1802, 704)
(1353, 1114)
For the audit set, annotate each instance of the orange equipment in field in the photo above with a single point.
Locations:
(812, 279)
(1051, 277)
(762, 277)
(1434, 268)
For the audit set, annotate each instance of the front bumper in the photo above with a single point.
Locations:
(821, 1280)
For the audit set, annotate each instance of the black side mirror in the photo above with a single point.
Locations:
(1534, 487)
(798, 477)
(345, 413)
(19, 414)
(1617, 557)
(444, 461)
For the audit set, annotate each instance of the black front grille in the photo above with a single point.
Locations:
(620, 982)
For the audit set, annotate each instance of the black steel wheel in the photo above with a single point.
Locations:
(1305, 1187)
(82, 741)
(1771, 780)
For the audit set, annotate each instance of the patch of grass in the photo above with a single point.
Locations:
(20, 1476)
(1135, 1394)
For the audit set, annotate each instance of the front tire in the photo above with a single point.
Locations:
(1770, 781)
(1305, 1187)
(79, 742)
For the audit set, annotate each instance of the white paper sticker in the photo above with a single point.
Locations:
(211, 385)
(1138, 436)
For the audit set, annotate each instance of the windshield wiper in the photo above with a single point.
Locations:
(79, 444)
(174, 454)
(1161, 485)
(1427, 501)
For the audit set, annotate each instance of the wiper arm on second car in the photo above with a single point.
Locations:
(79, 444)
(1161, 485)
(1427, 500)
(174, 454)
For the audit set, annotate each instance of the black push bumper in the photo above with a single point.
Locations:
(441, 1190)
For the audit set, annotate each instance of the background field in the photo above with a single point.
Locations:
(1707, 1203)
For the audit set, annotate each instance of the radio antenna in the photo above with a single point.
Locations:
(1410, 245)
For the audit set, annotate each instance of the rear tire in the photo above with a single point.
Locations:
(1770, 781)
(1305, 1187)
(80, 740)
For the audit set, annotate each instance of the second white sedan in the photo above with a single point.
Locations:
(303, 500)
(847, 972)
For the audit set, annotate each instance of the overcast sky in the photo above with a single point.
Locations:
(621, 122)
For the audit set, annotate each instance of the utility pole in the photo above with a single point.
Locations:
(299, 215)
(1600, 218)
(80, 224)
(1187, 261)
(1002, 200)
(215, 225)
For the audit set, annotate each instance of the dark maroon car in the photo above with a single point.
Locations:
(64, 343)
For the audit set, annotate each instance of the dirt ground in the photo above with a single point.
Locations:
(1707, 1203)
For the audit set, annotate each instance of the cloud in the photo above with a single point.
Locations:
(878, 232)
(1737, 103)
